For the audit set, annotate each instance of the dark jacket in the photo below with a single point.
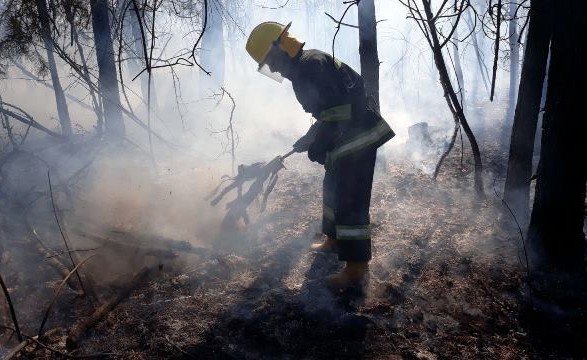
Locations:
(329, 89)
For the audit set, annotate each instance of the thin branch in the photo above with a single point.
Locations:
(340, 22)
(11, 307)
(276, 7)
(62, 232)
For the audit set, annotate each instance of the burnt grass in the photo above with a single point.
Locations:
(448, 280)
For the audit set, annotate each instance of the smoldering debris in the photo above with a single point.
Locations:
(259, 178)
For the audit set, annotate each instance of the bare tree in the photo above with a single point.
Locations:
(429, 25)
(519, 171)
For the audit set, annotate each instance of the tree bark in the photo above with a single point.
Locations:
(519, 171)
(555, 235)
(368, 49)
(107, 77)
(62, 110)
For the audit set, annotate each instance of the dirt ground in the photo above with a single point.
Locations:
(447, 281)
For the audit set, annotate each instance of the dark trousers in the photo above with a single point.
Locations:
(346, 201)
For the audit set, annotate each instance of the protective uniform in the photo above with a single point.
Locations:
(344, 138)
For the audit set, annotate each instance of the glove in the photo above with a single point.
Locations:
(316, 153)
(301, 145)
(304, 142)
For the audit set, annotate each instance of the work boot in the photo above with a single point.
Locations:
(354, 275)
(329, 245)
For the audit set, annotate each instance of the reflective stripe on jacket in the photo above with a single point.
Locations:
(373, 137)
(335, 96)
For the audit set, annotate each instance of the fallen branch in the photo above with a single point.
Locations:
(74, 250)
(31, 122)
(148, 244)
(258, 173)
(55, 262)
(47, 312)
(29, 341)
(80, 329)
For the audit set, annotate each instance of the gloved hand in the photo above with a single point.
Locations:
(316, 153)
(304, 142)
(301, 145)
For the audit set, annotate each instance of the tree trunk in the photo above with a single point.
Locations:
(212, 56)
(556, 235)
(517, 184)
(107, 78)
(368, 49)
(62, 110)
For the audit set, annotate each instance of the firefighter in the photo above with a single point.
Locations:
(344, 139)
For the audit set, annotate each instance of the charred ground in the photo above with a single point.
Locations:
(447, 281)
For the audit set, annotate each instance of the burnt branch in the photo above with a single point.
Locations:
(58, 291)
(80, 329)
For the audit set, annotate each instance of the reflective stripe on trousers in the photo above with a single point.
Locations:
(353, 232)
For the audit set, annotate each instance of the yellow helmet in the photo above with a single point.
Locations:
(265, 34)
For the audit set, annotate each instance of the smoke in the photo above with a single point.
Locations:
(124, 189)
